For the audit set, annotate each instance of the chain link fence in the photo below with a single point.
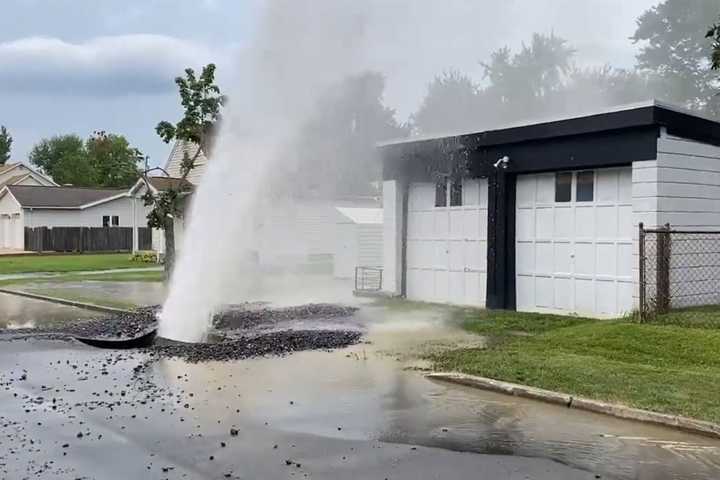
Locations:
(678, 269)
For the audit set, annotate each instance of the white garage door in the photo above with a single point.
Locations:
(574, 242)
(11, 232)
(447, 242)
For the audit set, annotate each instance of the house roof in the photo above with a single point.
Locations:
(15, 179)
(363, 216)
(159, 184)
(684, 122)
(33, 196)
(608, 138)
(30, 171)
(165, 183)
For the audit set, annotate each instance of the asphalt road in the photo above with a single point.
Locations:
(68, 411)
(118, 425)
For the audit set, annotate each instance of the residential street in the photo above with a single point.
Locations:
(353, 413)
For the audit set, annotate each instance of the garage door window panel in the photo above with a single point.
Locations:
(563, 187)
(441, 193)
(584, 186)
(456, 193)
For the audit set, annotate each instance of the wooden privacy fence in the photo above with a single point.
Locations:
(85, 239)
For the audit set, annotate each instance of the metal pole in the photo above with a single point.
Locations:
(663, 269)
(641, 279)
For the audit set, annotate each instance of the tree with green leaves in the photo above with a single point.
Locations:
(334, 152)
(676, 51)
(597, 87)
(113, 160)
(452, 103)
(519, 85)
(103, 161)
(202, 101)
(65, 159)
(714, 34)
(6, 141)
(526, 83)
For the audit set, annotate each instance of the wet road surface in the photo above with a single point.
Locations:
(353, 413)
(20, 312)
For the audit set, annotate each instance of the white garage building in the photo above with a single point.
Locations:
(358, 240)
(544, 217)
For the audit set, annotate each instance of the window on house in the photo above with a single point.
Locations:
(106, 220)
(563, 186)
(456, 193)
(115, 221)
(441, 193)
(584, 188)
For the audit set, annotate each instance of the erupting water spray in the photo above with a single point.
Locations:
(297, 55)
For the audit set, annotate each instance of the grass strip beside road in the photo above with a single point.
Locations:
(63, 263)
(666, 367)
(119, 276)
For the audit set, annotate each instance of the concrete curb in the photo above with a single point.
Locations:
(62, 301)
(690, 425)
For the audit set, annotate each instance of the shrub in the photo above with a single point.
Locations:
(146, 256)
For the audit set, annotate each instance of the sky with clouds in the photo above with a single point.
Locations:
(74, 66)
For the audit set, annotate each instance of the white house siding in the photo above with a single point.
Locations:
(11, 224)
(30, 180)
(346, 250)
(357, 245)
(392, 236)
(370, 245)
(292, 234)
(89, 217)
(174, 164)
(688, 198)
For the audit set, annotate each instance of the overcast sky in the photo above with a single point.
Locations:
(74, 66)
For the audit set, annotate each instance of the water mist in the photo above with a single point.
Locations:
(297, 55)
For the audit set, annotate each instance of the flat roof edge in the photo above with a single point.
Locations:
(644, 114)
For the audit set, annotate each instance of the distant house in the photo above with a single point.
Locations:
(21, 174)
(290, 233)
(33, 206)
(156, 185)
(173, 166)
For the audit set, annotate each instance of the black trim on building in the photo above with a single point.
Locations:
(501, 241)
(405, 189)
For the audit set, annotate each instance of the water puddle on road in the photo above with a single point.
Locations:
(368, 392)
(19, 312)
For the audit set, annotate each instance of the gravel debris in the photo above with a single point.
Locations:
(275, 343)
(245, 340)
(254, 315)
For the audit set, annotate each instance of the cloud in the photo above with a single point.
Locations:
(105, 66)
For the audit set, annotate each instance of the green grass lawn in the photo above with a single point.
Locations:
(670, 366)
(68, 263)
(119, 276)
